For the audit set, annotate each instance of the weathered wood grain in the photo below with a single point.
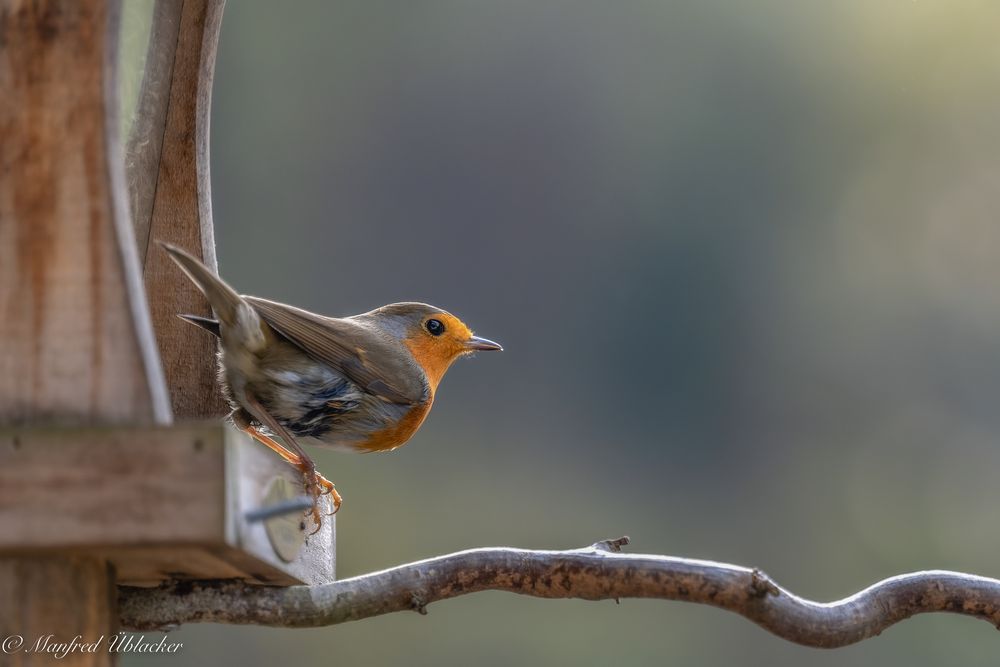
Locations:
(179, 207)
(145, 140)
(160, 503)
(80, 501)
(76, 340)
(31, 618)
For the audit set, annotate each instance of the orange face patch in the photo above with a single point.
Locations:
(436, 353)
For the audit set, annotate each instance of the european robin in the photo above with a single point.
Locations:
(363, 383)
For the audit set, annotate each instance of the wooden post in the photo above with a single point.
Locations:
(36, 621)
(77, 340)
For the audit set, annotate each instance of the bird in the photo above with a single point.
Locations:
(363, 383)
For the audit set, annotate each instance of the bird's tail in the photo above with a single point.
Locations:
(223, 298)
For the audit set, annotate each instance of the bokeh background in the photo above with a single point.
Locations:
(745, 262)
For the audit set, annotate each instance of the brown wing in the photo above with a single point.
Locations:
(374, 363)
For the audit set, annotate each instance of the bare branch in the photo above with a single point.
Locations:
(598, 572)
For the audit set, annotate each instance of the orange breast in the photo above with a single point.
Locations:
(394, 436)
(432, 359)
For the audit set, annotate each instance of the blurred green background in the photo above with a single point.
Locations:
(744, 259)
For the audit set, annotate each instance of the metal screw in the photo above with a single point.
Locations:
(299, 504)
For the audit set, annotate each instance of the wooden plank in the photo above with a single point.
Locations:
(77, 342)
(110, 486)
(35, 623)
(180, 210)
(158, 502)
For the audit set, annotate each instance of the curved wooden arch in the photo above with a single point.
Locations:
(167, 158)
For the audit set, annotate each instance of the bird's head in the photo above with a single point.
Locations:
(434, 337)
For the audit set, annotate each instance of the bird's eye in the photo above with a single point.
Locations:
(435, 327)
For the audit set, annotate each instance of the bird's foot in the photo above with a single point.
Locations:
(316, 487)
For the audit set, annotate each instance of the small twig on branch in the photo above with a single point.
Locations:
(598, 572)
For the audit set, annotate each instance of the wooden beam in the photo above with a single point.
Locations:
(160, 503)
(168, 158)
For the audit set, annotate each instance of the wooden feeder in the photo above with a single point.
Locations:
(115, 465)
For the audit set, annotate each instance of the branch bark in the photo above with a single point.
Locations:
(598, 572)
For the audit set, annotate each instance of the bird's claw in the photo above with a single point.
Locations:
(316, 487)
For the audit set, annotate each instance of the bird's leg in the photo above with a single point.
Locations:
(315, 484)
(242, 422)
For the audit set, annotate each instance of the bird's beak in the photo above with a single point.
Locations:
(484, 344)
